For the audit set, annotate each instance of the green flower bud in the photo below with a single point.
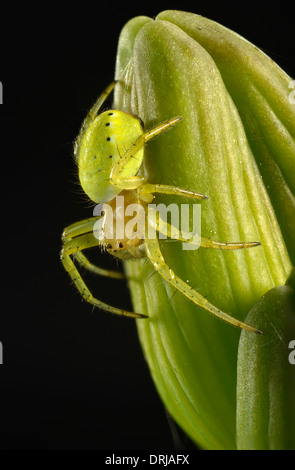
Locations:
(184, 65)
(266, 375)
(261, 92)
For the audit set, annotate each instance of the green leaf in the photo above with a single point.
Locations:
(165, 72)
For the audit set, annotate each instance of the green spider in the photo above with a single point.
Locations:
(109, 151)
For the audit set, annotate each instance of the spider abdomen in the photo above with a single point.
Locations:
(103, 144)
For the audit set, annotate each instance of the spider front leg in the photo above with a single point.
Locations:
(154, 253)
(77, 238)
(80, 228)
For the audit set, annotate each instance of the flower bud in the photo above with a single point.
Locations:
(232, 148)
(266, 375)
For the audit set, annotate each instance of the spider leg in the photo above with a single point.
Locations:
(208, 243)
(168, 230)
(80, 228)
(136, 181)
(147, 189)
(154, 253)
(101, 99)
(83, 239)
(161, 226)
(92, 115)
(85, 263)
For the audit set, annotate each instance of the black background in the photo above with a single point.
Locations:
(73, 378)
